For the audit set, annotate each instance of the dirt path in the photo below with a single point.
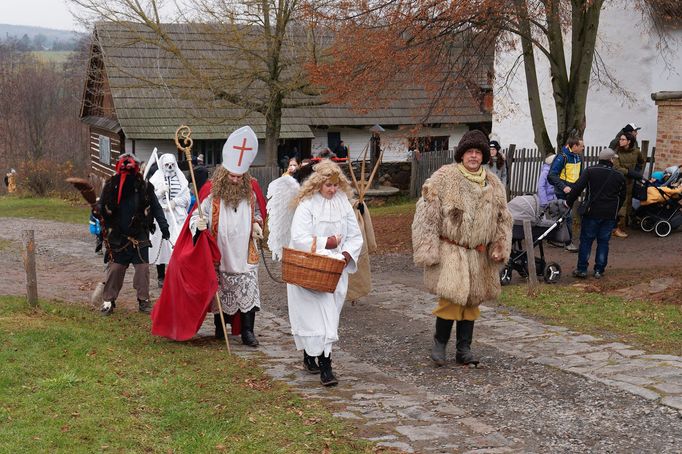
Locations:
(543, 389)
(67, 266)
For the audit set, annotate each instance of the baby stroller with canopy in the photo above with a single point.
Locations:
(546, 224)
(661, 212)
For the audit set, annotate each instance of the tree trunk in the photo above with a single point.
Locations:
(585, 24)
(273, 125)
(542, 139)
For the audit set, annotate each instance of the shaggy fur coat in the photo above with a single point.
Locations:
(467, 214)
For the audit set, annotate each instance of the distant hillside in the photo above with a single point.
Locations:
(39, 38)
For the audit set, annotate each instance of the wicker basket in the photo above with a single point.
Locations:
(310, 270)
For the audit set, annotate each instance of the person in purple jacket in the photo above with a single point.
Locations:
(545, 189)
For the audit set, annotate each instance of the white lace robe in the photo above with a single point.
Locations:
(238, 279)
(314, 316)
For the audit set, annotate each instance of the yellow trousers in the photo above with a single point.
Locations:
(447, 310)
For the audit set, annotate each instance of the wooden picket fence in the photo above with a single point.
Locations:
(265, 175)
(524, 166)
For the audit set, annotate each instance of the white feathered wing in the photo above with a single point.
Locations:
(281, 193)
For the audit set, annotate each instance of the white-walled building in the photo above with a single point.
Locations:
(129, 107)
(630, 49)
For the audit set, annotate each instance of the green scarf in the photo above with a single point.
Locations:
(475, 177)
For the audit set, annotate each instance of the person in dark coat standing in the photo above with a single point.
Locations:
(341, 150)
(629, 128)
(630, 162)
(128, 207)
(605, 197)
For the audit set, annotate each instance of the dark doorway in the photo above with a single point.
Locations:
(333, 139)
(292, 148)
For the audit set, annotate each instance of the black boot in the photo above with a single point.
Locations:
(144, 306)
(440, 340)
(248, 321)
(310, 364)
(161, 274)
(327, 377)
(465, 334)
(219, 327)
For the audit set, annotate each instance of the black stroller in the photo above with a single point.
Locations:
(547, 224)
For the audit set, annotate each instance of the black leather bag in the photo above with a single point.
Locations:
(584, 208)
(639, 190)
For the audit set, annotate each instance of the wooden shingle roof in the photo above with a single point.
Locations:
(152, 93)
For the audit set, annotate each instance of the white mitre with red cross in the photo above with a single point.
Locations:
(240, 150)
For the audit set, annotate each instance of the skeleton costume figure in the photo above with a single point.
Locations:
(172, 190)
(233, 217)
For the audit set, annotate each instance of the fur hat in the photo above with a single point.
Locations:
(473, 139)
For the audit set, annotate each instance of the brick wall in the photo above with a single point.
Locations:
(669, 139)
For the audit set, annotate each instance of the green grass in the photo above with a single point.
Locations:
(44, 208)
(654, 327)
(72, 381)
(399, 206)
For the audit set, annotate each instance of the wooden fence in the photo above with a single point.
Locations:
(523, 164)
(265, 175)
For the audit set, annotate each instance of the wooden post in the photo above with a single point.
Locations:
(508, 162)
(530, 258)
(413, 175)
(29, 254)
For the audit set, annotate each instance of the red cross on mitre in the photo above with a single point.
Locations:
(241, 149)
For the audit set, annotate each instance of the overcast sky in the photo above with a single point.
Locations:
(40, 13)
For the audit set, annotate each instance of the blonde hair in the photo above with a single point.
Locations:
(324, 171)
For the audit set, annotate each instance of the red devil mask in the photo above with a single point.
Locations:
(126, 165)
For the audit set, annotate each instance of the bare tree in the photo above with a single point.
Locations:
(422, 28)
(39, 118)
(264, 45)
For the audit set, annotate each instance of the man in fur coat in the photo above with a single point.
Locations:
(461, 234)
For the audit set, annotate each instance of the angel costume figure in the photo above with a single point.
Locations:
(323, 211)
(232, 214)
(172, 190)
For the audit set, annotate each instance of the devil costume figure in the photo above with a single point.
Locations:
(128, 207)
(172, 191)
(232, 215)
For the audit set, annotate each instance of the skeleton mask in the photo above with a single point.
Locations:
(168, 164)
(169, 168)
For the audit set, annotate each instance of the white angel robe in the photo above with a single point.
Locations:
(314, 316)
(160, 251)
(238, 280)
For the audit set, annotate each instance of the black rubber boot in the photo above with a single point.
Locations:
(440, 340)
(248, 321)
(219, 327)
(327, 377)
(465, 334)
(310, 364)
(160, 274)
(144, 306)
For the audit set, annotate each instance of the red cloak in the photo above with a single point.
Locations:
(190, 284)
